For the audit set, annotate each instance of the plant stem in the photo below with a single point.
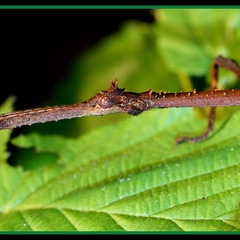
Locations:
(116, 100)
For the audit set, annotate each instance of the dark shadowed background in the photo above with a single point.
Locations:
(38, 46)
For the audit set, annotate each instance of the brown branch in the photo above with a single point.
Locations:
(116, 100)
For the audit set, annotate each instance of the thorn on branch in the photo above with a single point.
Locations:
(150, 94)
(114, 87)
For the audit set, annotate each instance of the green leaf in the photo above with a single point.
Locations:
(126, 177)
(7, 106)
(189, 39)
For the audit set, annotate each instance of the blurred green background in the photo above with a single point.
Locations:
(172, 52)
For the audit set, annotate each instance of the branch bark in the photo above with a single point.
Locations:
(117, 100)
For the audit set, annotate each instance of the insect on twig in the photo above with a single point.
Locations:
(116, 100)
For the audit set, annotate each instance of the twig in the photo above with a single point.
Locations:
(117, 100)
